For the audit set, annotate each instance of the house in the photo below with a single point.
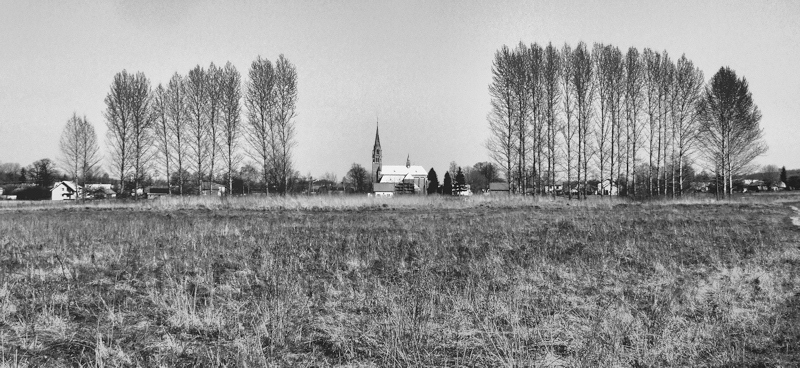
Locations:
(607, 187)
(383, 189)
(157, 192)
(65, 190)
(499, 188)
(779, 186)
(100, 191)
(211, 188)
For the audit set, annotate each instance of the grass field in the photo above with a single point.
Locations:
(401, 282)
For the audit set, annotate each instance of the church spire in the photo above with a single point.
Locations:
(377, 157)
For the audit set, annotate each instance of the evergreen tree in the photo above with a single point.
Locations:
(783, 175)
(460, 179)
(448, 184)
(433, 182)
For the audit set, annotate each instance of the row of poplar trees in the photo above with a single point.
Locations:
(194, 128)
(579, 114)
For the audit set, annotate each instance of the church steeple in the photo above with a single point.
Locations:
(377, 156)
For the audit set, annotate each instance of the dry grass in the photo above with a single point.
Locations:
(416, 281)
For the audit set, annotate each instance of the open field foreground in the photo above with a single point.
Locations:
(402, 282)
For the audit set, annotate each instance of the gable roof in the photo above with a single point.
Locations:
(71, 186)
(403, 170)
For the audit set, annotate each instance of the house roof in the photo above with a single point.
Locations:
(69, 184)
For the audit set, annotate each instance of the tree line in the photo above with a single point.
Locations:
(635, 120)
(193, 129)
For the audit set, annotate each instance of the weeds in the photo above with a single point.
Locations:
(414, 281)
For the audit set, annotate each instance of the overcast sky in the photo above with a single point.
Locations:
(421, 68)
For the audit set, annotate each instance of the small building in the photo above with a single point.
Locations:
(157, 192)
(607, 187)
(383, 189)
(100, 191)
(211, 188)
(65, 190)
(499, 188)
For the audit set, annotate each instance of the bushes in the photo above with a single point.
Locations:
(32, 193)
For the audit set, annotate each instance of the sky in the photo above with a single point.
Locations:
(419, 69)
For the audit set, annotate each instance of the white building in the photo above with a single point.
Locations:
(65, 190)
(396, 174)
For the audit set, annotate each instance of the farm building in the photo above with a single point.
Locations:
(211, 188)
(499, 188)
(65, 190)
(100, 190)
(408, 179)
(156, 192)
(607, 188)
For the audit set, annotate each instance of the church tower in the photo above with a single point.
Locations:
(377, 157)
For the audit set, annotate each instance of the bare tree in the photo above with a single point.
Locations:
(214, 89)
(729, 126)
(120, 125)
(285, 106)
(502, 140)
(522, 78)
(230, 118)
(80, 149)
(570, 128)
(177, 114)
(665, 142)
(652, 78)
(141, 128)
(70, 145)
(260, 106)
(685, 98)
(551, 74)
(601, 58)
(162, 130)
(634, 82)
(584, 87)
(198, 127)
(537, 122)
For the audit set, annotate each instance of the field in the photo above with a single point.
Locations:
(401, 282)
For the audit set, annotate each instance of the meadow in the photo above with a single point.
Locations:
(354, 281)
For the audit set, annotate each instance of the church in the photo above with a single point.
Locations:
(388, 180)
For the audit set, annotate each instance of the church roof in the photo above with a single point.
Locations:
(403, 170)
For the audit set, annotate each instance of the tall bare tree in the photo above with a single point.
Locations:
(585, 90)
(81, 152)
(285, 111)
(177, 114)
(652, 77)
(537, 122)
(602, 60)
(634, 82)
(260, 105)
(141, 128)
(729, 126)
(198, 127)
(522, 78)
(688, 85)
(502, 140)
(162, 130)
(551, 74)
(230, 118)
(570, 127)
(70, 145)
(214, 89)
(119, 124)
